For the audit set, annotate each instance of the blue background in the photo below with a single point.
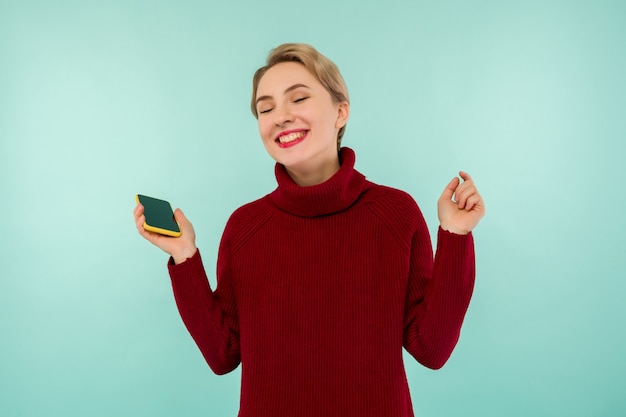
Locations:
(103, 100)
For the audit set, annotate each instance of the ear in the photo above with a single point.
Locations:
(343, 113)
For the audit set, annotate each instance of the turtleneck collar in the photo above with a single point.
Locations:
(334, 195)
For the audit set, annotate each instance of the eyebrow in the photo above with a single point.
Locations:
(288, 89)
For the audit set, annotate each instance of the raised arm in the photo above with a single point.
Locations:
(439, 292)
(210, 316)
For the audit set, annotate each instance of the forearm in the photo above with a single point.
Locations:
(436, 320)
(203, 313)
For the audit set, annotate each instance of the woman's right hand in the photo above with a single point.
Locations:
(180, 248)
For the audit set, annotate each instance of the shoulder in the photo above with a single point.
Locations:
(246, 220)
(395, 208)
(391, 201)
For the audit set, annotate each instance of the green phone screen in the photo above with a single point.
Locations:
(159, 214)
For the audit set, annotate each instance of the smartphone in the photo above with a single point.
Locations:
(159, 216)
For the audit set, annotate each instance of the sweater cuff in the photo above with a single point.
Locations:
(449, 235)
(455, 247)
(456, 253)
(186, 267)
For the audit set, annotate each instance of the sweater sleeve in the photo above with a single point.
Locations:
(210, 316)
(438, 295)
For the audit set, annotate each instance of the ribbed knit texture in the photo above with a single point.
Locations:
(319, 288)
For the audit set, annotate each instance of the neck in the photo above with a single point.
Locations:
(308, 177)
(333, 195)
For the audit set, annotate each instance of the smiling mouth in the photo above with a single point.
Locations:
(291, 137)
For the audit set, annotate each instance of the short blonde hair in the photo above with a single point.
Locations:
(326, 72)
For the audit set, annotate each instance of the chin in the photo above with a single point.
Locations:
(286, 156)
(290, 161)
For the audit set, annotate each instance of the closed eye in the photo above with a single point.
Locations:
(265, 111)
(298, 100)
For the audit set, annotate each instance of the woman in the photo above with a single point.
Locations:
(323, 281)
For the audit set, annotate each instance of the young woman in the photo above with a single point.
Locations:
(322, 282)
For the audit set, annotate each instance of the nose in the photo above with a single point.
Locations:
(282, 116)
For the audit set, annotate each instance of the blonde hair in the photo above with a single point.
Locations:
(317, 64)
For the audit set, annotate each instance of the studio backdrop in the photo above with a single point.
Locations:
(101, 100)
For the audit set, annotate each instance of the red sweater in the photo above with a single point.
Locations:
(318, 289)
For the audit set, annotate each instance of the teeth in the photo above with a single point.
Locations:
(291, 137)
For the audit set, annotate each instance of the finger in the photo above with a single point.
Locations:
(472, 202)
(450, 189)
(180, 216)
(463, 192)
(149, 236)
(139, 223)
(138, 211)
(182, 219)
(141, 220)
(465, 176)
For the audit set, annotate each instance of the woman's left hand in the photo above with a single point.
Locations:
(460, 207)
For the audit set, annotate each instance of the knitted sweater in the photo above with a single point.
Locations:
(318, 289)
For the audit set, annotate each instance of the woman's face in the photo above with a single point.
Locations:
(298, 119)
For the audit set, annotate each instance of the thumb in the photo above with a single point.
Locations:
(180, 217)
(448, 192)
